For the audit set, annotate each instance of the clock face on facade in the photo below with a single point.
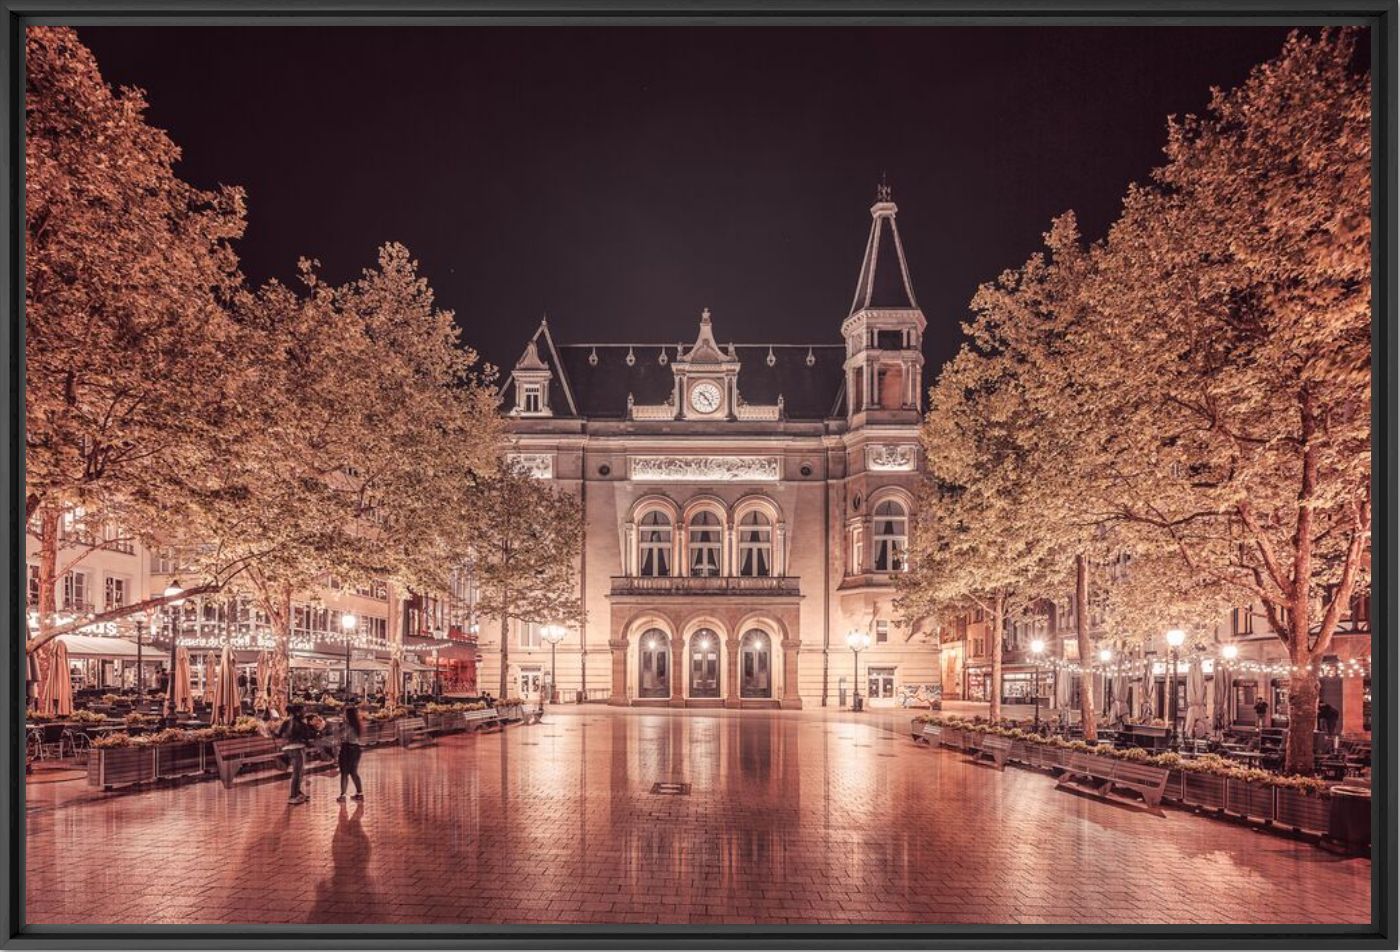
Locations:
(704, 397)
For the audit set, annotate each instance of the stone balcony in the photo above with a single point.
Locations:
(718, 585)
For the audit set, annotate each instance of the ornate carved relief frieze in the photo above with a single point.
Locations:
(705, 469)
(538, 465)
(890, 458)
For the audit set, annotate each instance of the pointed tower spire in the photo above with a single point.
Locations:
(884, 276)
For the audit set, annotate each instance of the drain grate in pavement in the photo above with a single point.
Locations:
(671, 789)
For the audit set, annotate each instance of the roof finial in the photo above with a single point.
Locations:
(705, 316)
(882, 191)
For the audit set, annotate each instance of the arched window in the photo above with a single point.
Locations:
(655, 544)
(706, 544)
(891, 535)
(755, 544)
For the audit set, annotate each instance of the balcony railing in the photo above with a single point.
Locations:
(719, 585)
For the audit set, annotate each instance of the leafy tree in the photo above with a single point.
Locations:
(524, 549)
(127, 269)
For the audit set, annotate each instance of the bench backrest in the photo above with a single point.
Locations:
(995, 742)
(1139, 773)
(933, 730)
(413, 724)
(480, 715)
(1080, 762)
(236, 748)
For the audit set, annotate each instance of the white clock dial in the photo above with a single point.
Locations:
(705, 397)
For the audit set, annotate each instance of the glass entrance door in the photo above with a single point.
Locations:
(655, 670)
(704, 664)
(755, 665)
(881, 682)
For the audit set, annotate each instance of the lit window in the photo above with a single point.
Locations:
(530, 634)
(116, 592)
(75, 591)
(655, 545)
(857, 550)
(706, 543)
(755, 545)
(891, 536)
(882, 631)
(531, 400)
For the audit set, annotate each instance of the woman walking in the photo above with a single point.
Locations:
(352, 733)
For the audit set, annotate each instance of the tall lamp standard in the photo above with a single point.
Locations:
(1175, 639)
(173, 601)
(553, 634)
(140, 681)
(858, 642)
(438, 635)
(1037, 649)
(348, 623)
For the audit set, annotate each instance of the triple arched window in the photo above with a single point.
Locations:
(702, 541)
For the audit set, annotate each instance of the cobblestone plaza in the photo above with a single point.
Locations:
(777, 817)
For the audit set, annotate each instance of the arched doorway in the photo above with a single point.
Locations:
(654, 664)
(756, 664)
(704, 664)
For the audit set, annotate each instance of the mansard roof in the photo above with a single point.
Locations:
(600, 376)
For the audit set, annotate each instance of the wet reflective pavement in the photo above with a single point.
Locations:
(789, 818)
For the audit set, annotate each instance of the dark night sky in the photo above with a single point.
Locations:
(622, 179)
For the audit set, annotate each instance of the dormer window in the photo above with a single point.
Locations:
(531, 400)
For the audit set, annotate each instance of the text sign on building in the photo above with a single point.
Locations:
(705, 469)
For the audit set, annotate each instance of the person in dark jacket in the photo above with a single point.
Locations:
(295, 733)
(1327, 716)
(352, 738)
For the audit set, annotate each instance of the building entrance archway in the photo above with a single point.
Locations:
(756, 665)
(704, 664)
(654, 665)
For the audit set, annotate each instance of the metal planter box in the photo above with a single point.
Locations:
(1301, 811)
(514, 712)
(1203, 790)
(179, 760)
(120, 766)
(1246, 798)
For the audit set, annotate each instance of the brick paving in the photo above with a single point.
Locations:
(791, 818)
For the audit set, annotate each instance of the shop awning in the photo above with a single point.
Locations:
(94, 646)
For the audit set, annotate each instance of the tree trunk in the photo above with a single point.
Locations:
(279, 612)
(1302, 692)
(994, 689)
(505, 654)
(1087, 708)
(48, 572)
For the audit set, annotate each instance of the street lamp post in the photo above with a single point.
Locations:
(858, 642)
(171, 592)
(1037, 649)
(438, 635)
(1175, 639)
(348, 623)
(553, 634)
(140, 681)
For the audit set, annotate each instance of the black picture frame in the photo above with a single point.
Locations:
(1379, 15)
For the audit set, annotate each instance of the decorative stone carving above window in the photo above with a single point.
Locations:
(705, 469)
(538, 465)
(890, 458)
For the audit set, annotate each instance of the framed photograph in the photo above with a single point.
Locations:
(614, 476)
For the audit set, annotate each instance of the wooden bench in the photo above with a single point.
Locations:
(414, 730)
(485, 720)
(932, 734)
(1108, 778)
(233, 754)
(994, 747)
(533, 716)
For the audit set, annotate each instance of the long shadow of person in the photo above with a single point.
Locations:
(346, 890)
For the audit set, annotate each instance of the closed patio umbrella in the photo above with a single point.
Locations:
(1221, 689)
(184, 693)
(1147, 696)
(59, 696)
(393, 689)
(210, 667)
(226, 701)
(1119, 710)
(1195, 700)
(260, 672)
